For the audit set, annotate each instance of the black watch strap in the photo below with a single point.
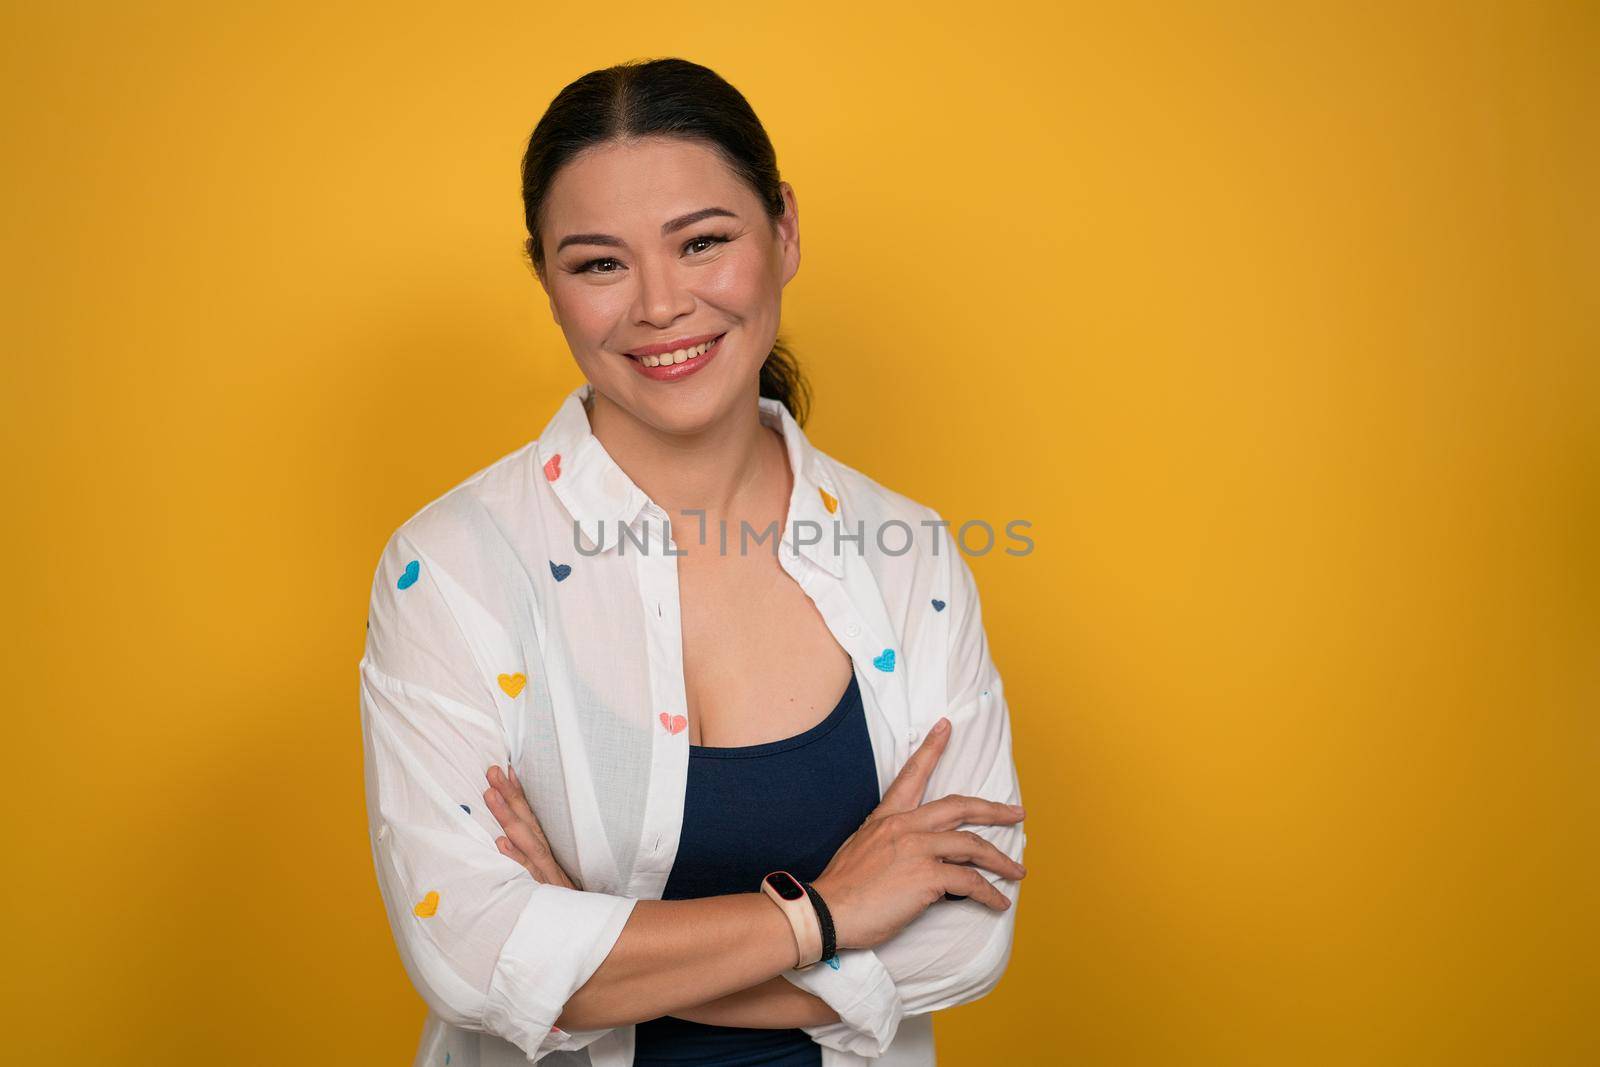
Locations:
(825, 920)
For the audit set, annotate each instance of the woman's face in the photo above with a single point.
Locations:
(623, 271)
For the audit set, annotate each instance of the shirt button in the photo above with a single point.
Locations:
(911, 737)
(852, 630)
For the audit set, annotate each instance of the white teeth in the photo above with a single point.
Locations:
(680, 356)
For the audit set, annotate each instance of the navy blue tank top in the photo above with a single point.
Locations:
(783, 805)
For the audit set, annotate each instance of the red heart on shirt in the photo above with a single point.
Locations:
(552, 467)
(673, 723)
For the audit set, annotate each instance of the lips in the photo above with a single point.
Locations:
(673, 372)
(663, 355)
(675, 345)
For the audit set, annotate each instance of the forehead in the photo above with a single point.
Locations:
(640, 184)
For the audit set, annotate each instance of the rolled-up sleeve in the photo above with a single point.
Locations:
(486, 945)
(955, 951)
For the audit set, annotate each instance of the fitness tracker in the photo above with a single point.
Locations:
(795, 903)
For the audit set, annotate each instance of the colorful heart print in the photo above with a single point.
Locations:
(513, 683)
(408, 577)
(885, 661)
(466, 809)
(560, 570)
(552, 467)
(673, 723)
(425, 907)
(938, 605)
(829, 502)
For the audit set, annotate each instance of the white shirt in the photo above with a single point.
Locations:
(499, 632)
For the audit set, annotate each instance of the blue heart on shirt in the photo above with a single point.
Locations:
(884, 662)
(938, 605)
(560, 570)
(409, 578)
(832, 961)
(466, 809)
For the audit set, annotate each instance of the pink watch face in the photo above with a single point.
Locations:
(785, 884)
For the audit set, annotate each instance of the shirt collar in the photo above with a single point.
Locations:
(599, 495)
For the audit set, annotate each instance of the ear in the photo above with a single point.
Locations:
(788, 228)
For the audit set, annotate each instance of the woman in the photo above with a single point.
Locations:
(607, 627)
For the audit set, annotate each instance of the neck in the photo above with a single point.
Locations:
(735, 469)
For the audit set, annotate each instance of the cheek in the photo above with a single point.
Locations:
(589, 312)
(739, 283)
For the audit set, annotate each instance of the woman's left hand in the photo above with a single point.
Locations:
(524, 841)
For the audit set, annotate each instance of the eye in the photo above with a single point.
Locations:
(586, 268)
(711, 239)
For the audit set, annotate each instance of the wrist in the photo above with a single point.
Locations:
(772, 931)
(831, 895)
(830, 947)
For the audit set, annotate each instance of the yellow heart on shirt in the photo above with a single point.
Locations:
(427, 905)
(827, 501)
(513, 683)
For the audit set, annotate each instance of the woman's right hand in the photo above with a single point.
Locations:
(907, 855)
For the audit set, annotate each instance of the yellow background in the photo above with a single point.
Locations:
(1278, 325)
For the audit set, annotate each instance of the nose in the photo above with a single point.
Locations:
(663, 296)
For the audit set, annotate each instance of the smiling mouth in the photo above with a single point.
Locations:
(682, 355)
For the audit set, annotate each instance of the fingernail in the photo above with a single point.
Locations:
(941, 726)
(1016, 808)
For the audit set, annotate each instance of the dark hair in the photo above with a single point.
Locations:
(661, 98)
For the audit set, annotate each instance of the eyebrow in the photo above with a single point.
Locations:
(670, 226)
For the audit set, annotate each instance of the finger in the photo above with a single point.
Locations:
(501, 786)
(559, 875)
(905, 792)
(522, 811)
(534, 854)
(511, 790)
(954, 809)
(966, 881)
(519, 801)
(499, 809)
(550, 874)
(533, 845)
(508, 849)
(528, 839)
(964, 846)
